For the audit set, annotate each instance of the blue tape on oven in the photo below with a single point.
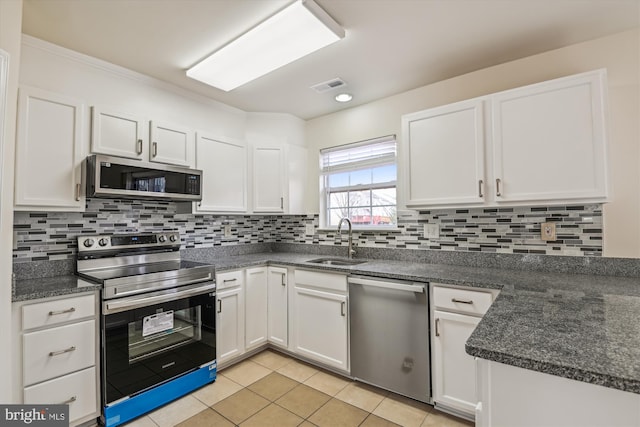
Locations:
(127, 410)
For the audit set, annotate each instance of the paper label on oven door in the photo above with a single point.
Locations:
(157, 323)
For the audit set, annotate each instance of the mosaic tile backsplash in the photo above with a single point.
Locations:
(52, 235)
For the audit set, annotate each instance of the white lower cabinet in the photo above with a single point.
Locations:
(515, 397)
(278, 306)
(455, 314)
(58, 358)
(320, 318)
(256, 307)
(230, 315)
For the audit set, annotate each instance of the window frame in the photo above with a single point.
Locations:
(363, 164)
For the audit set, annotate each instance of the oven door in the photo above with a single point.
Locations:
(151, 339)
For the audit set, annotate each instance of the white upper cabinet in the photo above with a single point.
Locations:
(171, 144)
(268, 179)
(125, 135)
(549, 140)
(117, 134)
(544, 143)
(50, 138)
(444, 155)
(223, 162)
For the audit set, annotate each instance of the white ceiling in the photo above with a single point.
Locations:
(390, 45)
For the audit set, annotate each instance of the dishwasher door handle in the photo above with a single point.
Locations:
(386, 285)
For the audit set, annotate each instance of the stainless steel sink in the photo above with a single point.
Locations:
(336, 261)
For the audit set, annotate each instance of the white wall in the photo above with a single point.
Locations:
(10, 28)
(619, 53)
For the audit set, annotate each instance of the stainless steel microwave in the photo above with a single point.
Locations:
(118, 177)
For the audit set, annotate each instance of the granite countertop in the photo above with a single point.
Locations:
(578, 326)
(43, 287)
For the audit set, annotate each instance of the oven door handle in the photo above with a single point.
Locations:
(111, 307)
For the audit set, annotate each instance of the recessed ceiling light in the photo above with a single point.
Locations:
(344, 97)
(296, 31)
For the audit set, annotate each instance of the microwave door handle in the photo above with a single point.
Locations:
(131, 303)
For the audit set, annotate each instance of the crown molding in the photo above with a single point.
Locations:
(123, 72)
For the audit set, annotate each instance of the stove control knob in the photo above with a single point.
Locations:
(88, 243)
(103, 242)
(162, 239)
(173, 237)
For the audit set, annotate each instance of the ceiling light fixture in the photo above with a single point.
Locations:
(344, 97)
(296, 31)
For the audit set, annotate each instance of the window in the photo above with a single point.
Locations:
(359, 182)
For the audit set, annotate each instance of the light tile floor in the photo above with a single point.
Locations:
(272, 389)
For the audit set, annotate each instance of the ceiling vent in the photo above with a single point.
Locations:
(329, 85)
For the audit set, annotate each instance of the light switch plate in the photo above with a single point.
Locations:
(227, 230)
(432, 231)
(548, 231)
(309, 229)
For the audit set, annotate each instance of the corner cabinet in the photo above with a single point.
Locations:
(223, 162)
(49, 152)
(455, 314)
(321, 318)
(544, 143)
(268, 179)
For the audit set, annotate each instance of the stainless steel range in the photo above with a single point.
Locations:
(158, 321)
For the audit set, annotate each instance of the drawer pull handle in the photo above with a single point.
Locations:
(139, 146)
(498, 182)
(229, 280)
(69, 400)
(283, 281)
(155, 149)
(480, 185)
(462, 301)
(437, 328)
(78, 188)
(55, 313)
(219, 306)
(59, 352)
(342, 305)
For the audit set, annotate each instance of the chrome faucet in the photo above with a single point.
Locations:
(351, 250)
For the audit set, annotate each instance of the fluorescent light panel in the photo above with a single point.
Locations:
(298, 30)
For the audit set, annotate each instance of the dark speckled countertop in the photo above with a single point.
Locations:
(583, 327)
(43, 287)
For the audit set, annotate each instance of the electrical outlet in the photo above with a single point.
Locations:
(227, 230)
(432, 231)
(548, 231)
(309, 230)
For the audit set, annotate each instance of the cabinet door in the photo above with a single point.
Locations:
(549, 141)
(224, 172)
(171, 144)
(49, 152)
(443, 155)
(321, 327)
(256, 297)
(453, 369)
(278, 331)
(117, 134)
(229, 324)
(268, 179)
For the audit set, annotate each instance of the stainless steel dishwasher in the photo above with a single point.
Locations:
(389, 330)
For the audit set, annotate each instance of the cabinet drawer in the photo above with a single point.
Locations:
(57, 311)
(462, 300)
(321, 280)
(229, 279)
(79, 389)
(53, 352)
